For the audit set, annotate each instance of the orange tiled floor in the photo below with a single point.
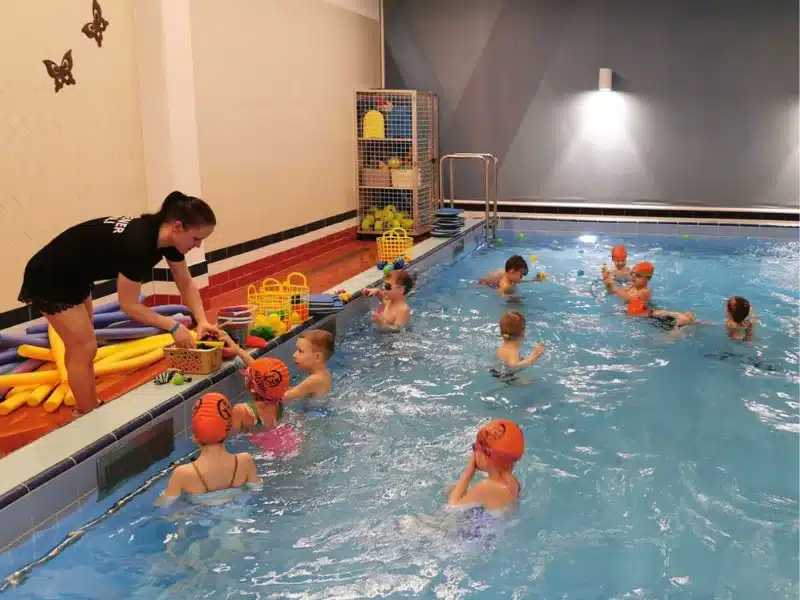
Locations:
(323, 272)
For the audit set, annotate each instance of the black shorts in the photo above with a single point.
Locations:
(51, 292)
(667, 323)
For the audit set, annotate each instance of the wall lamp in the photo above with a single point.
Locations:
(606, 80)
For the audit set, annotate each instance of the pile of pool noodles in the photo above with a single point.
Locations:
(32, 368)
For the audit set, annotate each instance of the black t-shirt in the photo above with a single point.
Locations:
(103, 248)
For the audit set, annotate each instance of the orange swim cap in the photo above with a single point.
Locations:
(619, 253)
(502, 441)
(269, 378)
(211, 419)
(638, 308)
(644, 268)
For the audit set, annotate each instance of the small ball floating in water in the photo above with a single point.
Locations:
(533, 258)
(521, 236)
(685, 236)
(580, 273)
(499, 241)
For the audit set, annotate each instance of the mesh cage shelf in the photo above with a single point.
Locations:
(397, 150)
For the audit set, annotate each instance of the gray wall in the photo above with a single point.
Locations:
(706, 112)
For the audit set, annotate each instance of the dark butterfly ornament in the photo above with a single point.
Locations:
(61, 74)
(94, 30)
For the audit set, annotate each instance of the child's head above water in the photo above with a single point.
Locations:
(314, 349)
(498, 445)
(641, 274)
(268, 379)
(397, 284)
(516, 268)
(211, 419)
(512, 326)
(619, 256)
(737, 309)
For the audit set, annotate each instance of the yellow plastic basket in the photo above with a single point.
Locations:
(394, 244)
(297, 296)
(283, 299)
(269, 298)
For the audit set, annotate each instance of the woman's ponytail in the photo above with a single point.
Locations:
(191, 211)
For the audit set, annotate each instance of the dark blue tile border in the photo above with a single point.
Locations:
(50, 473)
(186, 395)
(13, 495)
(93, 448)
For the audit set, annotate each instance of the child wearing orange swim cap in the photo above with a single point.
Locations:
(267, 380)
(638, 290)
(497, 448)
(620, 271)
(215, 469)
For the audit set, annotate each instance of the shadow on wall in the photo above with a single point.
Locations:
(704, 107)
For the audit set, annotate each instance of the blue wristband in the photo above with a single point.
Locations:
(175, 328)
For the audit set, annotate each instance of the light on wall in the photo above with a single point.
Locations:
(606, 78)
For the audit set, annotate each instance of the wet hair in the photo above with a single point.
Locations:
(321, 341)
(517, 263)
(512, 324)
(739, 308)
(404, 278)
(188, 210)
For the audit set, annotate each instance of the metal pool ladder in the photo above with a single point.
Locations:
(489, 186)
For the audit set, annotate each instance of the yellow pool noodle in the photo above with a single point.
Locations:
(56, 398)
(19, 389)
(69, 398)
(57, 348)
(40, 393)
(141, 347)
(11, 404)
(131, 364)
(28, 351)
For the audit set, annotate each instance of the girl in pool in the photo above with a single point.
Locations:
(498, 446)
(641, 275)
(216, 476)
(620, 271)
(58, 280)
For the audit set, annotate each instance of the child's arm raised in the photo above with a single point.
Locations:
(538, 350)
(238, 350)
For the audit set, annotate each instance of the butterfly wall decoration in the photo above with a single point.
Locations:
(95, 29)
(61, 74)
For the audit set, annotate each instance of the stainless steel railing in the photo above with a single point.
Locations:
(489, 186)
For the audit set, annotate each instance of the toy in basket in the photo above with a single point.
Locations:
(287, 300)
(394, 244)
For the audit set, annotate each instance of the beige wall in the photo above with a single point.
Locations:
(69, 156)
(274, 83)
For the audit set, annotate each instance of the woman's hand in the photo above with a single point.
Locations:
(183, 338)
(207, 328)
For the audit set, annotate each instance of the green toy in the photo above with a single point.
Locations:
(265, 332)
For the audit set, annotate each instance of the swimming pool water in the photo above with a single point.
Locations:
(655, 467)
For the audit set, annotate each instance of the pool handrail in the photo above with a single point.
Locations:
(490, 191)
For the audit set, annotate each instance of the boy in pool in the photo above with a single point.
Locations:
(739, 319)
(394, 313)
(498, 446)
(666, 319)
(216, 475)
(506, 280)
(312, 353)
(620, 271)
(512, 330)
(638, 290)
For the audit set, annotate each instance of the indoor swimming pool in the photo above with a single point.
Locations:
(657, 465)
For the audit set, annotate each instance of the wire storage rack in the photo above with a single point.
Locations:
(397, 137)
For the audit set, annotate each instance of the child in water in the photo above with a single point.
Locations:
(620, 271)
(638, 290)
(313, 350)
(394, 313)
(506, 280)
(497, 448)
(665, 319)
(739, 319)
(512, 330)
(216, 476)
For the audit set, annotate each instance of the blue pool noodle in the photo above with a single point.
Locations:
(104, 319)
(8, 340)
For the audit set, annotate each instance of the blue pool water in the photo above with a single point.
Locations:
(656, 467)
